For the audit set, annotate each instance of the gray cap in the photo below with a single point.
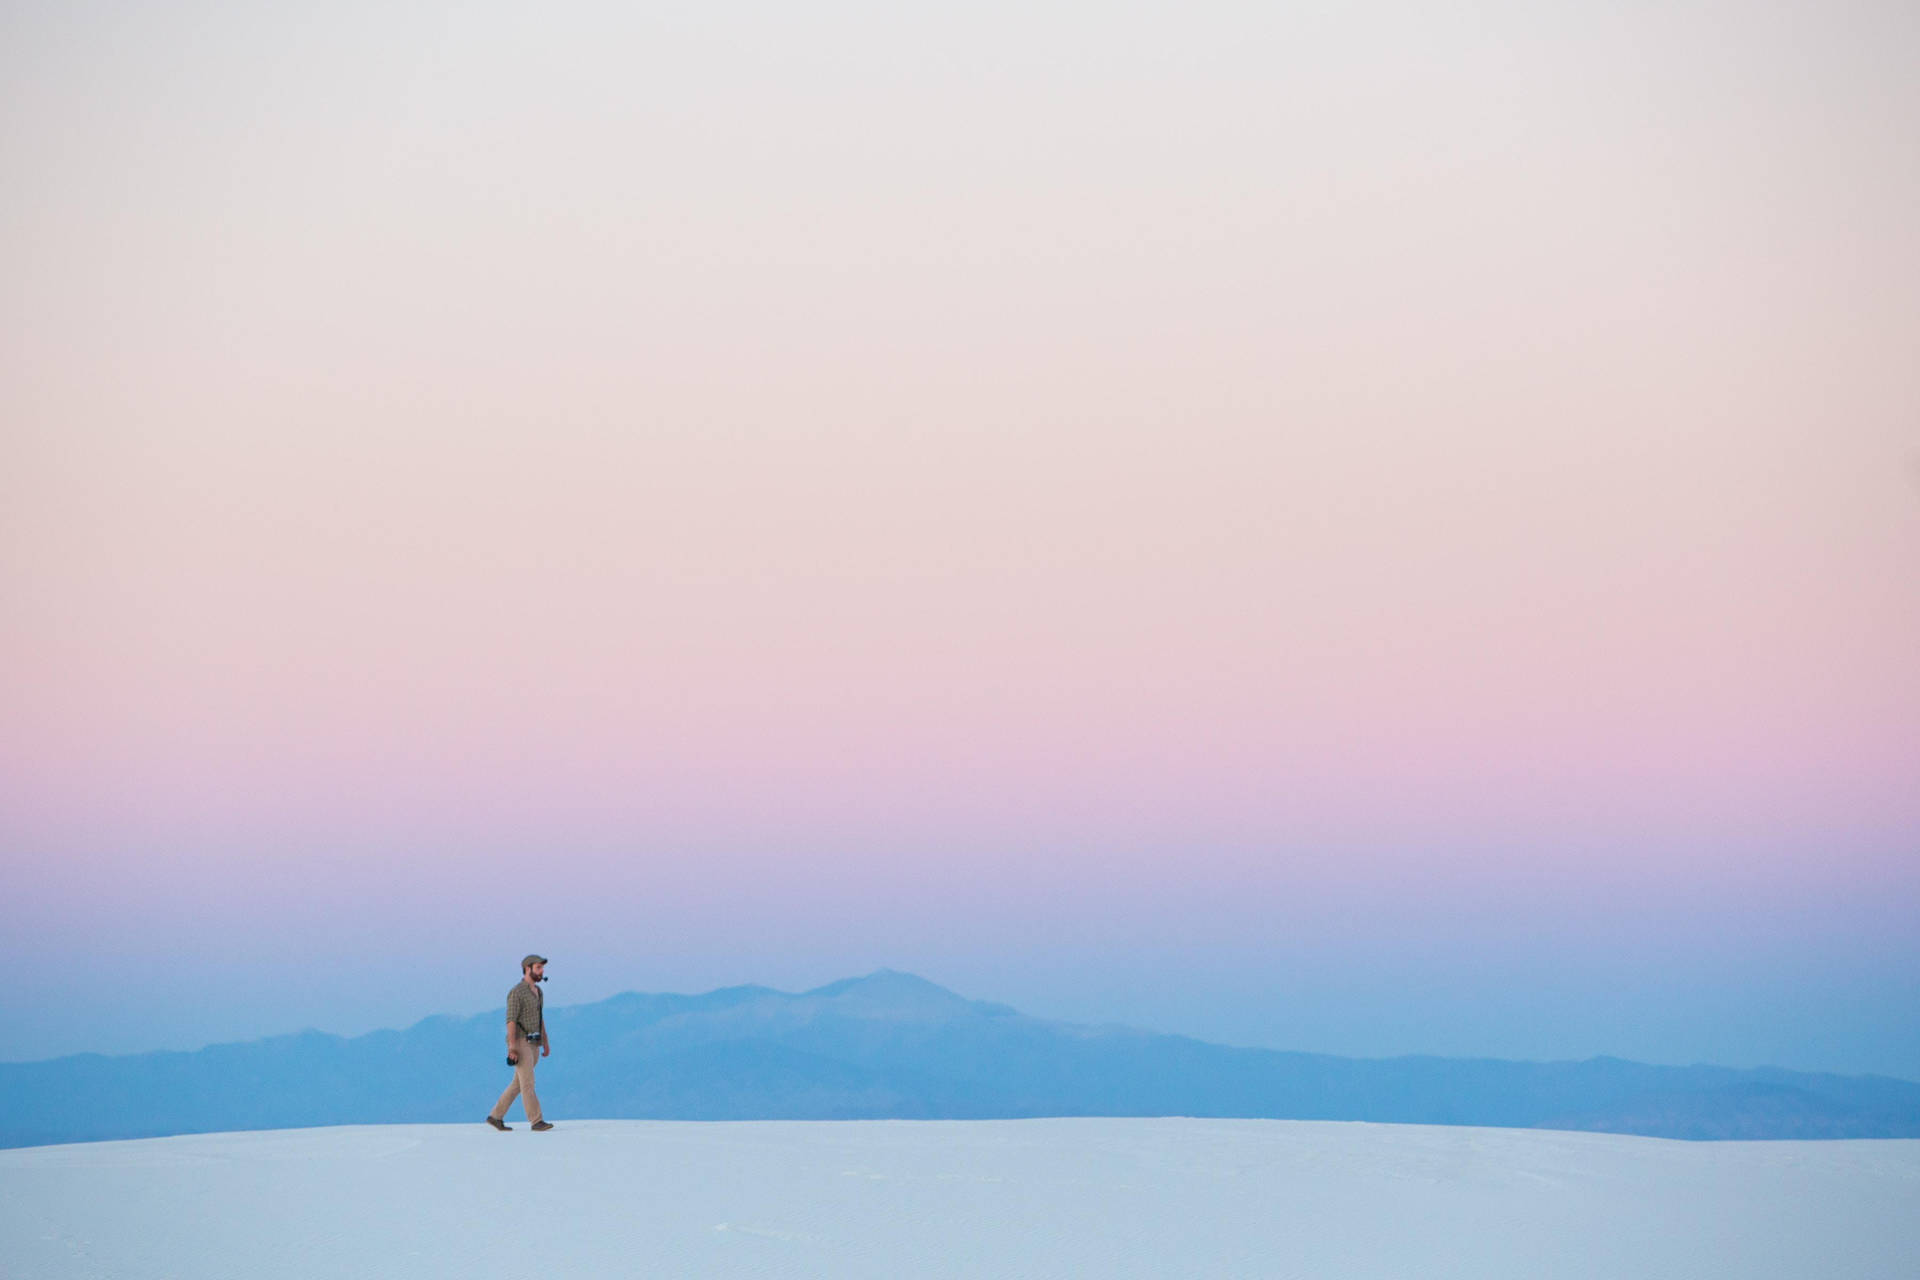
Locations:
(533, 960)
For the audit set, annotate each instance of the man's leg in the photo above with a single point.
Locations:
(523, 1081)
(499, 1111)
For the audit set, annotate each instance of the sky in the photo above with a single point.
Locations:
(1371, 528)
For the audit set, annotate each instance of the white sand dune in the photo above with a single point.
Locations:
(1067, 1197)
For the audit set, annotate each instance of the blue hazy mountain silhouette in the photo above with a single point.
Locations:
(893, 1045)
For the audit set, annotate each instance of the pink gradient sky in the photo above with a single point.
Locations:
(1349, 529)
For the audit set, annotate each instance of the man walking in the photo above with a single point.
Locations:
(526, 1042)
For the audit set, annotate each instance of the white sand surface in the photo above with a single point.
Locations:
(1068, 1197)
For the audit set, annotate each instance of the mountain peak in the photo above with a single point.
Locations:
(891, 989)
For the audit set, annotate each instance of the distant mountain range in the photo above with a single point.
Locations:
(894, 1046)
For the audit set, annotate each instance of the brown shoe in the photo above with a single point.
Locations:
(500, 1124)
(541, 1126)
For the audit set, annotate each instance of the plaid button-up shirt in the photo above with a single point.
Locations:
(524, 1006)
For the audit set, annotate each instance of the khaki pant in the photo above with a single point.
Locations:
(522, 1086)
